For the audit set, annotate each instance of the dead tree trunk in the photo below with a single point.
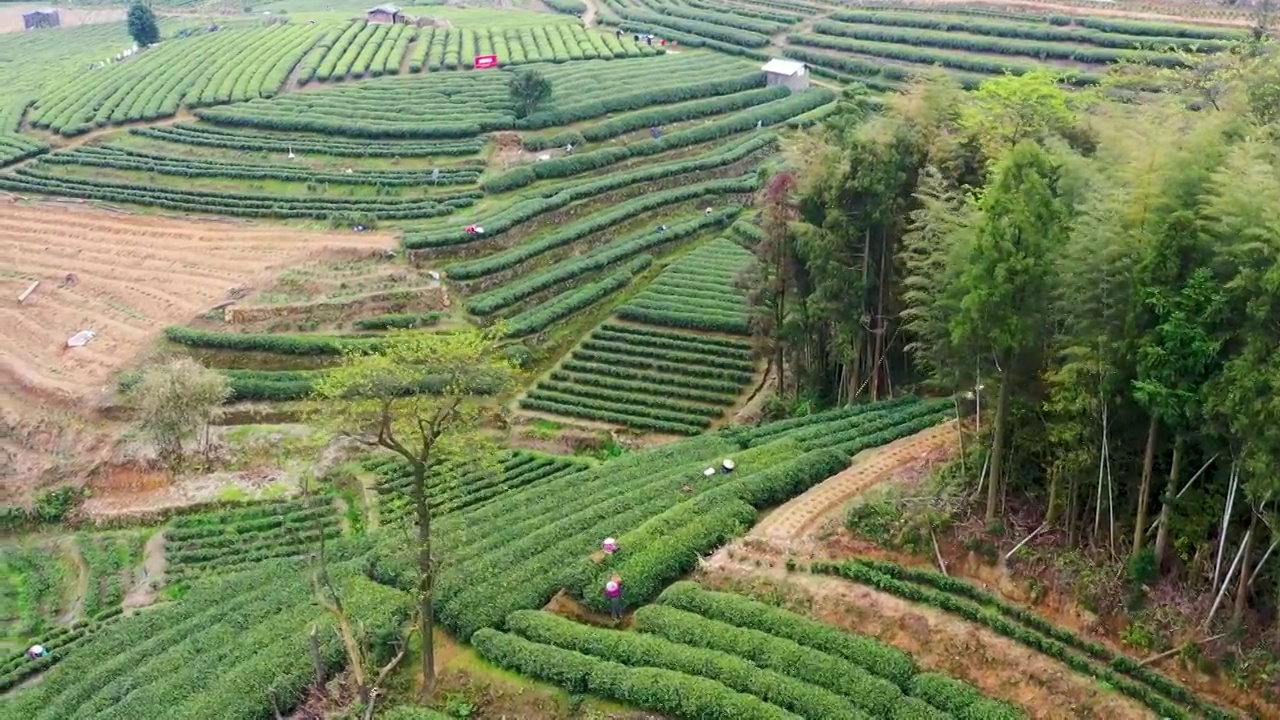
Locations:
(1166, 505)
(1144, 492)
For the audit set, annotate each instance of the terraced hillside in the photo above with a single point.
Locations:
(720, 652)
(638, 375)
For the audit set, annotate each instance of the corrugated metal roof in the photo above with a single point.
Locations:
(783, 67)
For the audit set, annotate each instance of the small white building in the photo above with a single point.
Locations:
(787, 73)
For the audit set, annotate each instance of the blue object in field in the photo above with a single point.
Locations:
(655, 133)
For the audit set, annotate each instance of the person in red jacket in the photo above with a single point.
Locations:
(613, 591)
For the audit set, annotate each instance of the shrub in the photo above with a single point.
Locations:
(870, 694)
(637, 650)
(400, 322)
(664, 691)
(875, 657)
(865, 574)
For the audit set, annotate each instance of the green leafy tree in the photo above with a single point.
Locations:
(529, 90)
(366, 399)
(142, 25)
(1018, 108)
(1245, 227)
(1006, 283)
(174, 401)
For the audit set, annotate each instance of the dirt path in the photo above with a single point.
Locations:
(917, 454)
(589, 16)
(75, 609)
(147, 581)
(939, 642)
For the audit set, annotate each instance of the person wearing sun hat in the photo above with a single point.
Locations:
(613, 591)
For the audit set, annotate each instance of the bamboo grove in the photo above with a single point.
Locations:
(1097, 279)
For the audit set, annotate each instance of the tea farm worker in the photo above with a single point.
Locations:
(36, 652)
(613, 591)
(610, 546)
(728, 465)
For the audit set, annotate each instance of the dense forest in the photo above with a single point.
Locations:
(1097, 274)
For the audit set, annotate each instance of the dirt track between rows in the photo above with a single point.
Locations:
(804, 514)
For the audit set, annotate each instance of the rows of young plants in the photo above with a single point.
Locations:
(1163, 695)
(880, 680)
(951, 60)
(1031, 28)
(725, 17)
(700, 291)
(233, 646)
(1041, 49)
(456, 488)
(229, 65)
(624, 249)
(123, 158)
(770, 113)
(203, 135)
(365, 49)
(670, 398)
(285, 385)
(456, 48)
(338, 210)
(520, 549)
(111, 559)
(34, 589)
(655, 118)
(453, 105)
(560, 197)
(59, 642)
(541, 316)
(223, 541)
(711, 26)
(1115, 26)
(589, 225)
(16, 148)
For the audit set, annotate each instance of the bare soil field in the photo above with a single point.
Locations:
(125, 277)
(11, 16)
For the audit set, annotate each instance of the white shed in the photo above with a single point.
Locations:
(787, 73)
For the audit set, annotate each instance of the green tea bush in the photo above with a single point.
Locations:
(872, 695)
(873, 656)
(639, 650)
(664, 691)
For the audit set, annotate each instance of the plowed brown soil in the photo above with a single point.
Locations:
(133, 275)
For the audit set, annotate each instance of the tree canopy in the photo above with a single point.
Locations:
(529, 90)
(142, 25)
(1108, 300)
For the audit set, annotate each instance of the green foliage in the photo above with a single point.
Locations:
(230, 540)
(769, 113)
(1122, 673)
(568, 7)
(526, 210)
(871, 663)
(529, 90)
(660, 690)
(233, 203)
(538, 318)
(56, 505)
(619, 250)
(398, 322)
(185, 166)
(217, 652)
(142, 25)
(593, 223)
(174, 401)
(636, 650)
